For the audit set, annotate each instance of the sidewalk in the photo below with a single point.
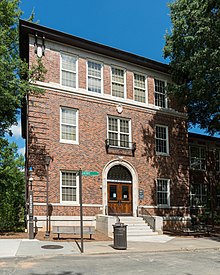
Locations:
(161, 243)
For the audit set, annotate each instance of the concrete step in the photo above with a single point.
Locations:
(151, 233)
(134, 222)
(130, 218)
(137, 227)
(141, 230)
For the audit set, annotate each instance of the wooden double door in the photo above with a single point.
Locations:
(120, 199)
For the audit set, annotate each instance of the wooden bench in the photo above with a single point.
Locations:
(76, 230)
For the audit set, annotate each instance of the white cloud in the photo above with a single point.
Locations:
(16, 130)
(21, 151)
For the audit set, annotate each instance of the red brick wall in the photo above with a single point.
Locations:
(107, 79)
(150, 83)
(82, 73)
(129, 85)
(51, 62)
(90, 154)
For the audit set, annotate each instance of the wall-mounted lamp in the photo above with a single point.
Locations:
(39, 45)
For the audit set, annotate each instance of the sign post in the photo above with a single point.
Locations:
(81, 209)
(83, 173)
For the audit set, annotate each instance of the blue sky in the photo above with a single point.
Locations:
(137, 26)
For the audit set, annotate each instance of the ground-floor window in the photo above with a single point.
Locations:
(68, 187)
(198, 195)
(163, 192)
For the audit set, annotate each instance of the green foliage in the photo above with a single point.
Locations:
(12, 187)
(193, 47)
(15, 77)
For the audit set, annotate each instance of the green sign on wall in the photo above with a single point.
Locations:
(90, 173)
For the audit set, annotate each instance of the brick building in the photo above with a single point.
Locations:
(103, 110)
(204, 154)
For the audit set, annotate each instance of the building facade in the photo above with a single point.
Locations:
(204, 153)
(102, 110)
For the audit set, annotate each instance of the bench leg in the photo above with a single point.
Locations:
(58, 235)
(90, 236)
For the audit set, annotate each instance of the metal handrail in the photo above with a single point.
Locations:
(119, 144)
(145, 214)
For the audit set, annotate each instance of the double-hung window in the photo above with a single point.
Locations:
(162, 144)
(163, 192)
(139, 88)
(94, 77)
(160, 93)
(69, 192)
(197, 157)
(118, 82)
(119, 132)
(68, 70)
(198, 195)
(69, 125)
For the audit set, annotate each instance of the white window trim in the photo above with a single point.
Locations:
(199, 159)
(125, 76)
(87, 75)
(166, 98)
(76, 72)
(77, 189)
(200, 195)
(146, 88)
(168, 193)
(118, 133)
(77, 127)
(167, 141)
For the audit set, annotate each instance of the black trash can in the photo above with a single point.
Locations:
(120, 236)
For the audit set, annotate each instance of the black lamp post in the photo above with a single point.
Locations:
(47, 164)
(30, 209)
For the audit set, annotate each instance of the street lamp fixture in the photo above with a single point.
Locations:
(47, 164)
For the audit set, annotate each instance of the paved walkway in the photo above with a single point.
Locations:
(161, 243)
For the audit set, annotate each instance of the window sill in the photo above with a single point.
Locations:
(72, 203)
(162, 154)
(163, 206)
(69, 142)
(194, 169)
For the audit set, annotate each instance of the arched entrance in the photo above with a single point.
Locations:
(119, 191)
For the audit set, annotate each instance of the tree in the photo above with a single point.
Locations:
(15, 77)
(12, 197)
(193, 47)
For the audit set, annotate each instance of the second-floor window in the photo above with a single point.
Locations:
(139, 88)
(118, 85)
(197, 157)
(69, 125)
(94, 77)
(68, 70)
(160, 93)
(119, 132)
(161, 136)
